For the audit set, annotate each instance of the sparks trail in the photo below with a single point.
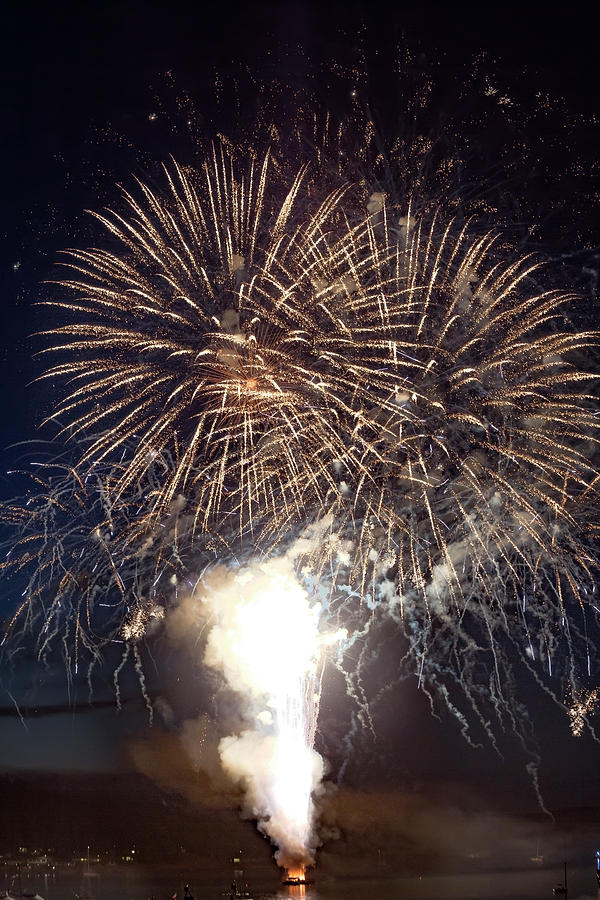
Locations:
(259, 354)
(192, 339)
(81, 565)
(475, 530)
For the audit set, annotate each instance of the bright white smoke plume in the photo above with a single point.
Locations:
(264, 637)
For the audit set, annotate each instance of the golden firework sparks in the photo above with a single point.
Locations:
(256, 355)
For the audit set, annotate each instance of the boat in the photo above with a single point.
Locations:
(295, 877)
(538, 858)
(25, 895)
(561, 890)
(238, 889)
(235, 893)
(89, 880)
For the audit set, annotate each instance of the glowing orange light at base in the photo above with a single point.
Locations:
(296, 872)
(295, 875)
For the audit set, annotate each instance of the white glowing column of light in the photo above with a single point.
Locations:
(279, 639)
(266, 641)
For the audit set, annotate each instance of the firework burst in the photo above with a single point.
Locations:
(310, 403)
(190, 340)
(256, 355)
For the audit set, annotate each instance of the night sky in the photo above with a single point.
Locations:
(87, 97)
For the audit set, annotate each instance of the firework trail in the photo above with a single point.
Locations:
(263, 635)
(79, 566)
(199, 321)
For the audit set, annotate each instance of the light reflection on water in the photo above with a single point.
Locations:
(148, 885)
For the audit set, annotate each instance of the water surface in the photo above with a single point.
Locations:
(115, 883)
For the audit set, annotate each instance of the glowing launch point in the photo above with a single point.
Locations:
(266, 641)
(295, 875)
